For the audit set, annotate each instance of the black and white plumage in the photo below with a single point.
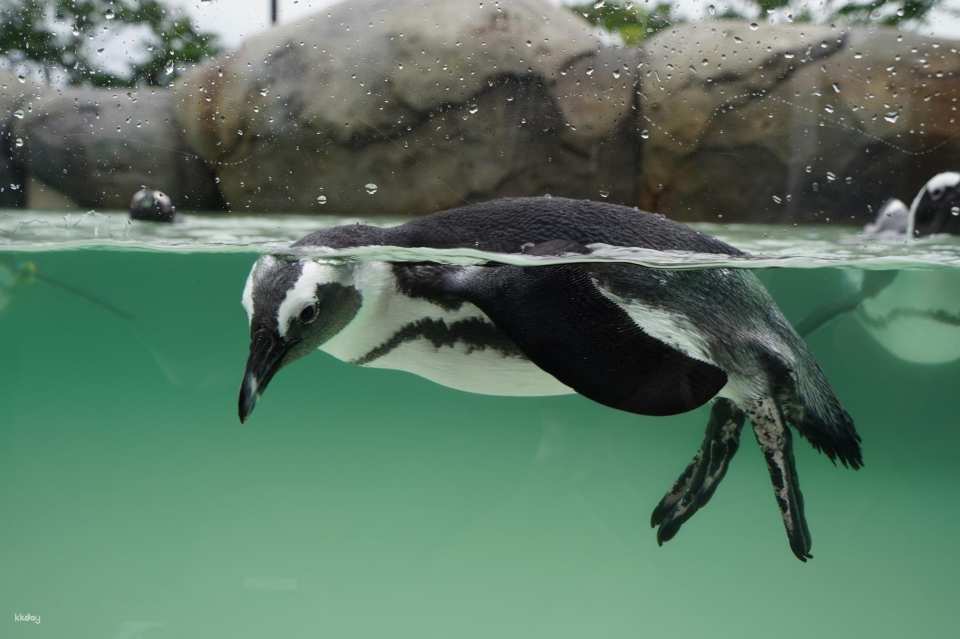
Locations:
(915, 315)
(644, 340)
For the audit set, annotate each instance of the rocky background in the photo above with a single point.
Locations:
(410, 106)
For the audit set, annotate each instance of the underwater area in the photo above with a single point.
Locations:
(362, 502)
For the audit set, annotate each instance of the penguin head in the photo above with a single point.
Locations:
(936, 209)
(294, 306)
(893, 218)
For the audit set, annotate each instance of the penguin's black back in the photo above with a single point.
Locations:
(506, 225)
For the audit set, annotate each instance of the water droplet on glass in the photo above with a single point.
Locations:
(616, 74)
(110, 15)
(604, 194)
(831, 177)
(589, 70)
(18, 114)
(22, 78)
(472, 109)
(645, 134)
(955, 211)
(836, 88)
(18, 142)
(600, 4)
(777, 199)
(371, 188)
(891, 117)
(264, 92)
(321, 199)
(711, 9)
(529, 43)
(754, 26)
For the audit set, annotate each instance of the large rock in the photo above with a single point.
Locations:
(793, 123)
(410, 106)
(16, 99)
(98, 147)
(435, 102)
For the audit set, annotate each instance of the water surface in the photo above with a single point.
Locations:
(370, 503)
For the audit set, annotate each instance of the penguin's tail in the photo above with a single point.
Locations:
(808, 403)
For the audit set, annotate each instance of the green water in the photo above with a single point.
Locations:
(367, 503)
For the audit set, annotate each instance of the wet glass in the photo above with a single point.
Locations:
(152, 152)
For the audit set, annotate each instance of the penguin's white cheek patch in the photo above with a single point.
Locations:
(247, 299)
(303, 293)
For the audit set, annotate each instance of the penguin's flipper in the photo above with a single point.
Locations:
(776, 443)
(873, 283)
(562, 323)
(700, 479)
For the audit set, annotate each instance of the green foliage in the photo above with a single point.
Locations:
(892, 13)
(55, 35)
(634, 21)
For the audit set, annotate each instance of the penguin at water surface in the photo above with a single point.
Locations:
(914, 315)
(644, 340)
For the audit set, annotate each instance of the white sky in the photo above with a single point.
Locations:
(236, 19)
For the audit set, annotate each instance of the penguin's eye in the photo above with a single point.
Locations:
(308, 314)
(936, 193)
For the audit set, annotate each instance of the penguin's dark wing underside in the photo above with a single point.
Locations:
(562, 323)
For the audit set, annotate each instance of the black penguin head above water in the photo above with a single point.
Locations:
(936, 208)
(294, 306)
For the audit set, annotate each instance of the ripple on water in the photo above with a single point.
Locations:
(768, 246)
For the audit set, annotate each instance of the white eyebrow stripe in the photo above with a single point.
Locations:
(312, 274)
(943, 181)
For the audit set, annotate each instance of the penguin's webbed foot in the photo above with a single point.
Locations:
(698, 482)
(776, 443)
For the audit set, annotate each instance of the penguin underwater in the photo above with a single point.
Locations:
(913, 315)
(643, 340)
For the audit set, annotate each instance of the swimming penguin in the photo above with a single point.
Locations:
(149, 205)
(915, 315)
(643, 340)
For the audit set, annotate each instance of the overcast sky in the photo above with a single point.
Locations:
(236, 19)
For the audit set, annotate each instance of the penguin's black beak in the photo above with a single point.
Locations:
(267, 351)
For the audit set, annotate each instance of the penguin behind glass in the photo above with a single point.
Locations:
(915, 315)
(643, 340)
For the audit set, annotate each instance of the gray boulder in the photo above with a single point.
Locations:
(793, 123)
(98, 147)
(16, 99)
(409, 106)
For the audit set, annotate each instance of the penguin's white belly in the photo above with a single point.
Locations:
(482, 371)
(385, 335)
(911, 318)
